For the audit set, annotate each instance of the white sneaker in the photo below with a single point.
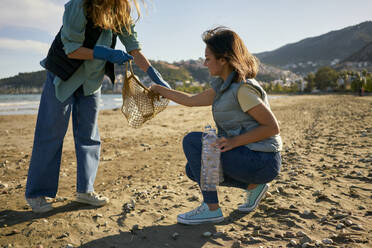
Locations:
(39, 204)
(200, 215)
(92, 198)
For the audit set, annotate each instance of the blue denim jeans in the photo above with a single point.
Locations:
(51, 126)
(241, 166)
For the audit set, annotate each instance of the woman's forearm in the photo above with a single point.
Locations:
(81, 53)
(175, 95)
(140, 60)
(268, 126)
(259, 133)
(204, 98)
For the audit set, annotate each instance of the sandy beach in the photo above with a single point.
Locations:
(322, 198)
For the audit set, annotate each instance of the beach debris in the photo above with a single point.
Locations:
(305, 239)
(175, 235)
(327, 241)
(135, 227)
(207, 234)
(129, 206)
(13, 232)
(236, 244)
(253, 240)
(4, 185)
(293, 242)
(193, 198)
(289, 234)
(340, 226)
(318, 243)
(357, 227)
(300, 234)
(307, 212)
(348, 222)
(278, 235)
(95, 217)
(64, 235)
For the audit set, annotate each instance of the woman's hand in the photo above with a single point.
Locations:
(155, 88)
(156, 77)
(114, 56)
(225, 144)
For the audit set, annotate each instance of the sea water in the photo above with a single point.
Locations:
(29, 103)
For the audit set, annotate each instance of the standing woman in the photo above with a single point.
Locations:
(79, 57)
(248, 130)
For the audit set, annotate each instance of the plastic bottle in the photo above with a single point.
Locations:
(211, 169)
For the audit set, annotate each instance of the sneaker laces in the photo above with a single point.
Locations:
(248, 197)
(94, 195)
(249, 194)
(43, 201)
(195, 211)
(39, 201)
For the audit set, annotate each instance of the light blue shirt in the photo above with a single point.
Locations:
(90, 73)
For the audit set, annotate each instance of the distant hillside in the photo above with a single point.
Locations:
(357, 61)
(189, 70)
(363, 55)
(29, 82)
(327, 49)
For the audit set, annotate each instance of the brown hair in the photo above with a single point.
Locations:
(225, 43)
(111, 14)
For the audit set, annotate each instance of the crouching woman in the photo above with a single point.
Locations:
(249, 132)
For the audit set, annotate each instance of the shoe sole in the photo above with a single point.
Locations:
(198, 222)
(43, 209)
(259, 198)
(91, 203)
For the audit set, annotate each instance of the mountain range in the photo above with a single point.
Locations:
(364, 54)
(309, 54)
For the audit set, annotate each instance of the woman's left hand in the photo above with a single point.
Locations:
(225, 144)
(154, 88)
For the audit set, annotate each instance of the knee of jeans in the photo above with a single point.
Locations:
(267, 176)
(189, 173)
(190, 139)
(187, 139)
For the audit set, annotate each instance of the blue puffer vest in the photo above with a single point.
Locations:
(231, 120)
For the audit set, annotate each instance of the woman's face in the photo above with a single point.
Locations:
(215, 66)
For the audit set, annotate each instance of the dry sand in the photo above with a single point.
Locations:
(323, 195)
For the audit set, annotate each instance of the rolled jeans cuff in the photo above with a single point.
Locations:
(210, 197)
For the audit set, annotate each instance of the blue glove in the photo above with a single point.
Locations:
(156, 77)
(111, 55)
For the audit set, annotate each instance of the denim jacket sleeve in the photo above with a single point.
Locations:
(130, 41)
(73, 29)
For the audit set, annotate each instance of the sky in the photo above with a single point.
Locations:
(170, 30)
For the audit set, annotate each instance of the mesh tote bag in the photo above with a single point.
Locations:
(139, 103)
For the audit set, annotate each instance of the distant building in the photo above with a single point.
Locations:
(340, 82)
(178, 84)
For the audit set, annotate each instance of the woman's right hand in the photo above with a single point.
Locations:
(111, 55)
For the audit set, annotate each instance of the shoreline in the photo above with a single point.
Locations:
(27, 106)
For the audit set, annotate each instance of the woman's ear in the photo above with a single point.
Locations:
(222, 61)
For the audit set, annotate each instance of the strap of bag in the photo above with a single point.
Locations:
(129, 64)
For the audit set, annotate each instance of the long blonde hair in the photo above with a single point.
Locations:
(111, 14)
(225, 43)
